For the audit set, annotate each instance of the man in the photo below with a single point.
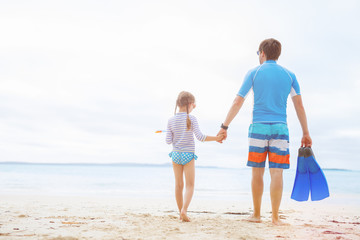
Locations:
(268, 133)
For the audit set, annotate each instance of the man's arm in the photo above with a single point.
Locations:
(300, 111)
(235, 108)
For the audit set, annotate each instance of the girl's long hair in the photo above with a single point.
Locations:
(184, 99)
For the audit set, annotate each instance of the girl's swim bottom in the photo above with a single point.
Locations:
(182, 158)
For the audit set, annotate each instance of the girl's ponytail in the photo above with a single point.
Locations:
(188, 121)
(184, 99)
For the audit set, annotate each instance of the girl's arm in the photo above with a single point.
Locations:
(196, 130)
(201, 137)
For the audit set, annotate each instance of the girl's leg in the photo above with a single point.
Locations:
(189, 171)
(179, 184)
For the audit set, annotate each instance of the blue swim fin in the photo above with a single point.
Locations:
(318, 185)
(301, 187)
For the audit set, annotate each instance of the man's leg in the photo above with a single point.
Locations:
(276, 189)
(258, 150)
(257, 188)
(279, 156)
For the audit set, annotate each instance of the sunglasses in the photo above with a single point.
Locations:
(258, 53)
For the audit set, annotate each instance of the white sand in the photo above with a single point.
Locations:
(36, 217)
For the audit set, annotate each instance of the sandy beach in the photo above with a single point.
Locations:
(70, 218)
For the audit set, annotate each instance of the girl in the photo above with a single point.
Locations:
(180, 132)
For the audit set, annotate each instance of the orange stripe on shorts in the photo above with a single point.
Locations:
(257, 157)
(275, 158)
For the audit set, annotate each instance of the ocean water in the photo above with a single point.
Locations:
(150, 181)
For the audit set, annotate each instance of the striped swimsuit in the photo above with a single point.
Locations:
(183, 139)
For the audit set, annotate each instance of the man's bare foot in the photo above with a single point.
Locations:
(254, 219)
(184, 217)
(278, 222)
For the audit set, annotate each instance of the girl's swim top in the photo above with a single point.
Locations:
(181, 138)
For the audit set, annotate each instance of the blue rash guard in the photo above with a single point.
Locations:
(271, 84)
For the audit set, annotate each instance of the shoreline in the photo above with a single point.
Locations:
(51, 217)
(144, 164)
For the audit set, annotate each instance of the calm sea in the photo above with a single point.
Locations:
(150, 181)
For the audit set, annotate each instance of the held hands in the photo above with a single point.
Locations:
(222, 135)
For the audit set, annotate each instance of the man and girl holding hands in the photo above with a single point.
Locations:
(268, 132)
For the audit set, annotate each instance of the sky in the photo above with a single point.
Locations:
(91, 81)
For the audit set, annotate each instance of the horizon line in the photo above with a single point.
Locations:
(103, 164)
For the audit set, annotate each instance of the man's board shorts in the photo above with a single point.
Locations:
(182, 158)
(269, 139)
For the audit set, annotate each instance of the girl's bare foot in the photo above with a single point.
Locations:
(254, 219)
(278, 222)
(184, 217)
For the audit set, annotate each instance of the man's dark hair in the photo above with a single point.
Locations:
(271, 48)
